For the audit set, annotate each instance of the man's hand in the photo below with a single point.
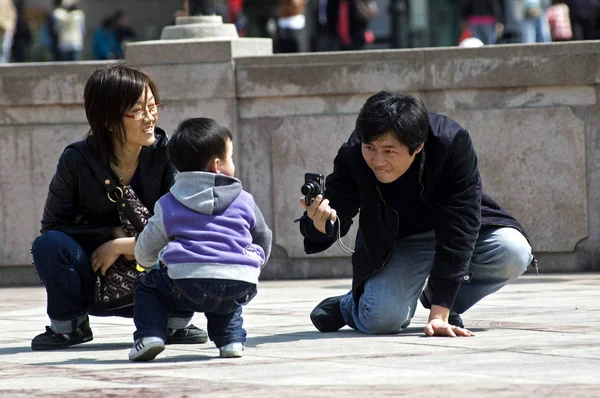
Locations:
(439, 327)
(320, 212)
(438, 324)
(104, 257)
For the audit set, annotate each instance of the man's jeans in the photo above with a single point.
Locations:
(390, 297)
(157, 296)
(65, 269)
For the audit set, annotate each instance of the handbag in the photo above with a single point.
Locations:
(366, 9)
(114, 290)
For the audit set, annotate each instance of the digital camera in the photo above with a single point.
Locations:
(314, 184)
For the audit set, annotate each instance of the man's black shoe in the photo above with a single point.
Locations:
(51, 340)
(327, 316)
(188, 335)
(453, 319)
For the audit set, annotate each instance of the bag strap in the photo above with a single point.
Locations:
(113, 191)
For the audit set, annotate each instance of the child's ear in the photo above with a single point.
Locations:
(214, 165)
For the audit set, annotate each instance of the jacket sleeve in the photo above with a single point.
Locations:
(342, 191)
(62, 206)
(261, 234)
(151, 240)
(168, 178)
(458, 221)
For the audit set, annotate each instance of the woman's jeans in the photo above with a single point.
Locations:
(157, 296)
(66, 271)
(390, 297)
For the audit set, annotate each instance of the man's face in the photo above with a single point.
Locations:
(388, 158)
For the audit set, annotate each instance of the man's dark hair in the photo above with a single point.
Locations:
(108, 94)
(404, 115)
(196, 142)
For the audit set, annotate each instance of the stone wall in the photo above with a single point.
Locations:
(532, 112)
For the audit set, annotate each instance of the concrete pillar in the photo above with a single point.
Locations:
(194, 67)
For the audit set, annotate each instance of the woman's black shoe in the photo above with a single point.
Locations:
(188, 335)
(50, 340)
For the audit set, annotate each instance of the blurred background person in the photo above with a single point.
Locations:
(260, 17)
(322, 22)
(22, 39)
(535, 28)
(290, 27)
(584, 18)
(70, 26)
(559, 21)
(351, 24)
(50, 31)
(8, 21)
(483, 18)
(105, 44)
(122, 30)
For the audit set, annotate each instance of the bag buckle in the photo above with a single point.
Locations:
(118, 191)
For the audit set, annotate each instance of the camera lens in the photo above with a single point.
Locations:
(309, 188)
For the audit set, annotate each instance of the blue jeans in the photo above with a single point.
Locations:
(157, 297)
(484, 32)
(70, 55)
(535, 30)
(390, 297)
(6, 41)
(66, 271)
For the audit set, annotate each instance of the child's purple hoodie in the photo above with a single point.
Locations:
(206, 227)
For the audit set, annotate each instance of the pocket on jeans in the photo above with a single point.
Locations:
(191, 290)
(246, 296)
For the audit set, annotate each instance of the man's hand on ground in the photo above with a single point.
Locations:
(438, 324)
(439, 327)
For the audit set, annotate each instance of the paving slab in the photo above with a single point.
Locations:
(538, 337)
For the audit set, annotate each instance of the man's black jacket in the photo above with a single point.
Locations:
(449, 184)
(77, 203)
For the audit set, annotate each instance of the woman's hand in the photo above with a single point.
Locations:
(117, 232)
(104, 257)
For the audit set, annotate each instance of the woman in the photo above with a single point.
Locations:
(81, 230)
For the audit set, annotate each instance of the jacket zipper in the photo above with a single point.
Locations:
(395, 239)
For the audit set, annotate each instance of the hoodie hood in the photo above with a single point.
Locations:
(204, 192)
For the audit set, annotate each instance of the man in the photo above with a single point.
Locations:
(414, 178)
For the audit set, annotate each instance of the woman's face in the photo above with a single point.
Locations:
(140, 120)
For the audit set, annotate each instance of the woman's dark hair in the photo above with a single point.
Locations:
(196, 142)
(404, 115)
(108, 94)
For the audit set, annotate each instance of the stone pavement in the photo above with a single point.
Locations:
(538, 337)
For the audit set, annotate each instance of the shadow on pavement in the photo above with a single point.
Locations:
(125, 360)
(345, 333)
(14, 350)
